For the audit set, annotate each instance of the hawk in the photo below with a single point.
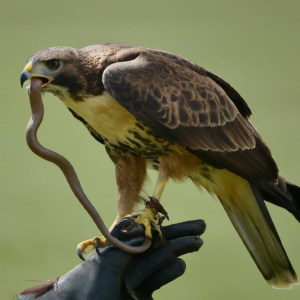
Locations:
(152, 108)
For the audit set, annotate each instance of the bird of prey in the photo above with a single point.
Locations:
(152, 108)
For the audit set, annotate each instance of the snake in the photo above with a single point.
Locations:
(37, 109)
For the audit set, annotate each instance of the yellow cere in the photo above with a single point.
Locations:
(28, 68)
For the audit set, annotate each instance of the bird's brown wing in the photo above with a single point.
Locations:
(192, 108)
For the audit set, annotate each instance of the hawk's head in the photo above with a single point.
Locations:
(64, 70)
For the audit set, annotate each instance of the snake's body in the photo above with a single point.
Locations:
(37, 109)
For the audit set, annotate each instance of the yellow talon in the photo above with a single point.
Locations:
(101, 242)
(148, 217)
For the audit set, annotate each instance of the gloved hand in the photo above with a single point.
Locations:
(112, 274)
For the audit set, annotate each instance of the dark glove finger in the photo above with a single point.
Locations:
(160, 278)
(189, 228)
(148, 263)
(129, 232)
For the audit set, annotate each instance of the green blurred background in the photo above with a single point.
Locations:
(254, 45)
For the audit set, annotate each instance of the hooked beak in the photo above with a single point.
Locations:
(27, 74)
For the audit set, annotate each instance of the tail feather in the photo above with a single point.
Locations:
(251, 219)
(294, 191)
(260, 201)
(285, 195)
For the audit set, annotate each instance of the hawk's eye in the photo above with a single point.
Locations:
(53, 64)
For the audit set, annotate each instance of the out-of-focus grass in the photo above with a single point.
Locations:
(254, 45)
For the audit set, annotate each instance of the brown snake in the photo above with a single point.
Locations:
(37, 109)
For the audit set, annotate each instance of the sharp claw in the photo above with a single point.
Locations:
(157, 229)
(96, 247)
(79, 253)
(160, 220)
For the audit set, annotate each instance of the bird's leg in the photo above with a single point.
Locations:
(130, 176)
(162, 180)
(149, 216)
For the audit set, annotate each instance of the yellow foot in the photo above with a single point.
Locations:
(150, 218)
(81, 248)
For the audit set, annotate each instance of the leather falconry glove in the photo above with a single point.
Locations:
(112, 274)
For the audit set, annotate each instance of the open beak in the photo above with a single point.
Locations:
(27, 74)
